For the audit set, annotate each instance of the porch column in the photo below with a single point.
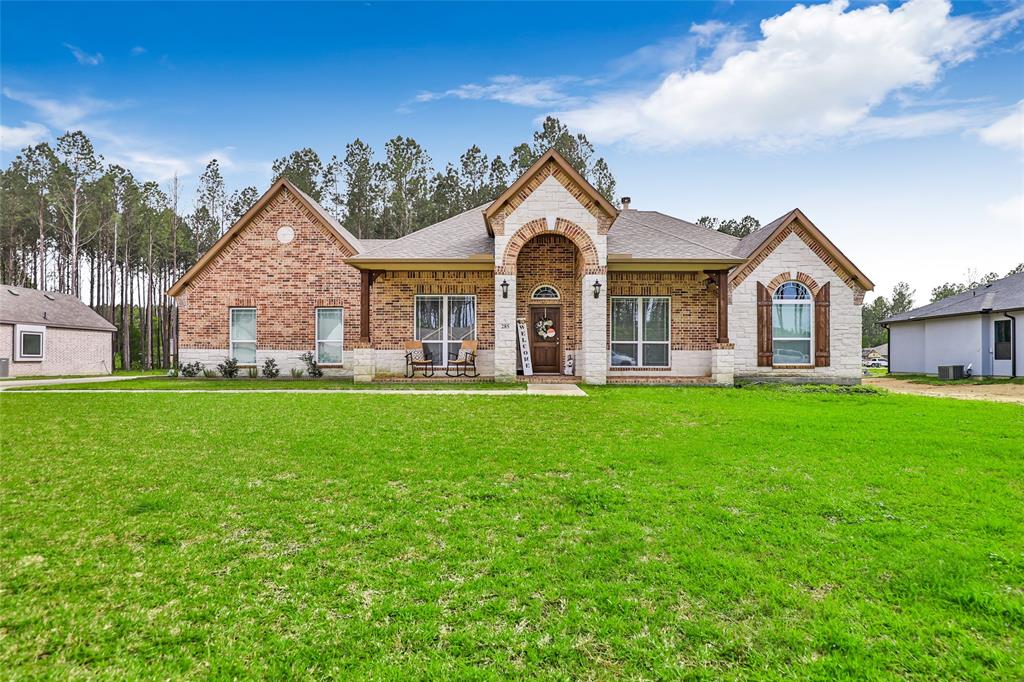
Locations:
(595, 331)
(364, 306)
(504, 329)
(723, 306)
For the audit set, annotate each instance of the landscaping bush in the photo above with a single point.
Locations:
(252, 372)
(192, 369)
(312, 366)
(229, 368)
(209, 373)
(836, 389)
(296, 372)
(270, 368)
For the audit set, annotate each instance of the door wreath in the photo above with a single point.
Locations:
(545, 329)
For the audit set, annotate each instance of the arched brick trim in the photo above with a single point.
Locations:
(801, 277)
(539, 226)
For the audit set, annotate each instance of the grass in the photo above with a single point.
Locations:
(173, 384)
(640, 532)
(936, 381)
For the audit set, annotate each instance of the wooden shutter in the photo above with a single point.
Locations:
(764, 326)
(822, 340)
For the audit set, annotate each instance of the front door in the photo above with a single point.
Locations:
(545, 334)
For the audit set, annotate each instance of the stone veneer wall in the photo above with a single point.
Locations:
(66, 351)
(284, 282)
(794, 256)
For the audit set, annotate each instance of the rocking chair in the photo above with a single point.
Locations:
(462, 361)
(417, 359)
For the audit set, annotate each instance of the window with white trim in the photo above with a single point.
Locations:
(545, 292)
(242, 335)
(31, 342)
(792, 324)
(640, 331)
(1004, 340)
(330, 336)
(443, 323)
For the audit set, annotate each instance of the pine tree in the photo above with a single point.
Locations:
(304, 169)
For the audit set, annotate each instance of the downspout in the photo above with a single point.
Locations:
(1013, 345)
(888, 348)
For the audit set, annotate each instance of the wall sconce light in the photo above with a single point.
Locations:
(504, 288)
(597, 288)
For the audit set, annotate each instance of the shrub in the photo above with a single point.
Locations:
(312, 366)
(229, 368)
(192, 369)
(253, 372)
(296, 372)
(172, 372)
(270, 368)
(209, 373)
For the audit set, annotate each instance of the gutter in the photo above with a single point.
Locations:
(1013, 345)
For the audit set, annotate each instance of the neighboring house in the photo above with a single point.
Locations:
(631, 296)
(978, 328)
(45, 334)
(877, 353)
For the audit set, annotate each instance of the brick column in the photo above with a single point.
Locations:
(364, 366)
(592, 360)
(505, 329)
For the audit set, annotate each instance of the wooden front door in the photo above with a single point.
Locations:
(546, 350)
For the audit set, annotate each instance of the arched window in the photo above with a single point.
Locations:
(545, 292)
(792, 324)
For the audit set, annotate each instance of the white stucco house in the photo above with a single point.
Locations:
(979, 328)
(44, 333)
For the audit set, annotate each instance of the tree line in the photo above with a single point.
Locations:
(72, 223)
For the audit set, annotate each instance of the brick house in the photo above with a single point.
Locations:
(44, 333)
(625, 295)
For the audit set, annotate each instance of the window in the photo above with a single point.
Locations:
(545, 292)
(792, 318)
(443, 323)
(243, 335)
(330, 336)
(30, 342)
(1003, 339)
(640, 331)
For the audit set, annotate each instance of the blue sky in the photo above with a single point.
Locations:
(898, 128)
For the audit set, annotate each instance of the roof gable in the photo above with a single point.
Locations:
(550, 163)
(1003, 294)
(21, 305)
(756, 246)
(326, 220)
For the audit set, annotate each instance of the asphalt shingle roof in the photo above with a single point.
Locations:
(1003, 294)
(755, 239)
(19, 305)
(650, 234)
(461, 236)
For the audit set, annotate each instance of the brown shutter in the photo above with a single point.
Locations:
(764, 326)
(822, 340)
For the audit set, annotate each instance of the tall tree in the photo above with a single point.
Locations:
(304, 169)
(36, 164)
(363, 190)
(741, 227)
(240, 201)
(77, 166)
(333, 188)
(498, 176)
(473, 176)
(446, 194)
(406, 169)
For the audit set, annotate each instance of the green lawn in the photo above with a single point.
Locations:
(177, 384)
(639, 532)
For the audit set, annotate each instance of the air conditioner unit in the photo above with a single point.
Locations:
(951, 372)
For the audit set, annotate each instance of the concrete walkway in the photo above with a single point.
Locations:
(27, 383)
(564, 390)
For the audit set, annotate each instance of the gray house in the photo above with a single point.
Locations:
(48, 334)
(979, 328)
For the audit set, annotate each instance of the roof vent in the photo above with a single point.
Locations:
(625, 203)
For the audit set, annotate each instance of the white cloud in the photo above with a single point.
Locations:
(15, 138)
(63, 114)
(512, 89)
(84, 57)
(1007, 132)
(138, 50)
(1010, 211)
(817, 72)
